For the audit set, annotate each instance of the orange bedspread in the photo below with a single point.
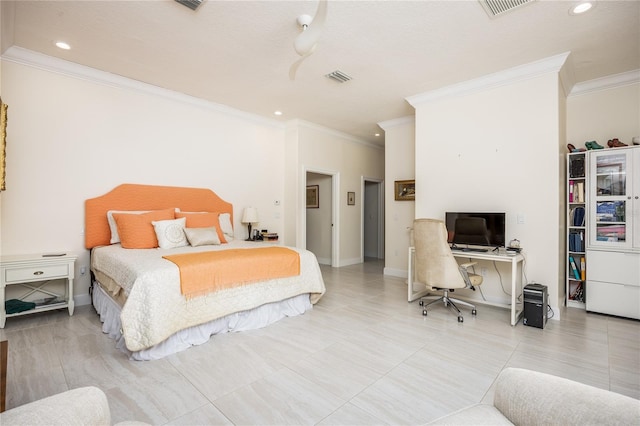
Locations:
(208, 271)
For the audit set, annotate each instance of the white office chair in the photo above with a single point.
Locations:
(436, 267)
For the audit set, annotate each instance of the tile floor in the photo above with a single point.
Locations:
(362, 356)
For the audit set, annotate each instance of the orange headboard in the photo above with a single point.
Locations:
(145, 197)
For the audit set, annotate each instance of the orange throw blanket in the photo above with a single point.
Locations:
(208, 271)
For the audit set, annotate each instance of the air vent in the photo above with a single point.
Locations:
(338, 76)
(499, 7)
(191, 4)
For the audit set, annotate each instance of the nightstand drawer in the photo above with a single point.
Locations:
(36, 273)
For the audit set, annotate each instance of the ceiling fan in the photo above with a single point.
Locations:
(307, 41)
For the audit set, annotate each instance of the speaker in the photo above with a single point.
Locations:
(535, 305)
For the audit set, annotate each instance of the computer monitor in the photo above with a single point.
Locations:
(480, 229)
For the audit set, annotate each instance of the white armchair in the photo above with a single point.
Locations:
(81, 406)
(525, 397)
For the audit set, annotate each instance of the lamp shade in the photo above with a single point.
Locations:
(250, 215)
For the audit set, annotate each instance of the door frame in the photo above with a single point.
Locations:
(380, 184)
(335, 210)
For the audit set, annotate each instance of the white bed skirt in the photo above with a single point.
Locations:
(253, 319)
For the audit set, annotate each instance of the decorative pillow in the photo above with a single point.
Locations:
(202, 236)
(226, 226)
(136, 230)
(170, 233)
(115, 238)
(203, 220)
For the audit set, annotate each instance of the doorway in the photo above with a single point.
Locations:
(320, 217)
(372, 219)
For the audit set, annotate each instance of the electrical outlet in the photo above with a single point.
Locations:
(483, 272)
(83, 270)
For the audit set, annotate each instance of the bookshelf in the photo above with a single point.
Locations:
(576, 235)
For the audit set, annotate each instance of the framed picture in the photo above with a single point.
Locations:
(405, 190)
(351, 198)
(313, 197)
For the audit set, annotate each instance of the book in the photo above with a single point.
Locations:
(578, 192)
(578, 293)
(571, 191)
(574, 268)
(583, 270)
(578, 216)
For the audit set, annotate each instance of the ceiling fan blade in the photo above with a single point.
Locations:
(307, 40)
(294, 67)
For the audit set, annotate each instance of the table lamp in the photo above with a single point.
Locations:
(250, 216)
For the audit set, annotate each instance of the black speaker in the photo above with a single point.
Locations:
(535, 305)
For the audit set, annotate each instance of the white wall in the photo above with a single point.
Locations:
(75, 133)
(399, 165)
(326, 151)
(498, 149)
(70, 139)
(604, 113)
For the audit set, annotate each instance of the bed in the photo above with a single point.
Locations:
(141, 291)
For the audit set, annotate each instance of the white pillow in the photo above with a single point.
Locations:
(202, 236)
(225, 225)
(170, 233)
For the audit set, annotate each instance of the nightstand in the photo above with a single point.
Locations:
(34, 273)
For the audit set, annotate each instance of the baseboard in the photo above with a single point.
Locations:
(400, 273)
(83, 299)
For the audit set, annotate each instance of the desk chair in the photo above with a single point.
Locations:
(436, 267)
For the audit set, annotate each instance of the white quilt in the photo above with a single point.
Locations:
(155, 308)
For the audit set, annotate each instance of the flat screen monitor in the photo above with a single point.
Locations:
(479, 229)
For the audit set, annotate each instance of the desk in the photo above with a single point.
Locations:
(517, 271)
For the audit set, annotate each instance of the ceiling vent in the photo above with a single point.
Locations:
(191, 4)
(499, 7)
(338, 76)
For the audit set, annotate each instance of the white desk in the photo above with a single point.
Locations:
(517, 272)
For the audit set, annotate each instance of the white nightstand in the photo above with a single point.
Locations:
(34, 273)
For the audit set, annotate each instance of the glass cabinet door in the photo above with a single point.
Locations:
(609, 200)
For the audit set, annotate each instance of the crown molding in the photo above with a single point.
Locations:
(44, 62)
(501, 78)
(350, 138)
(388, 124)
(605, 83)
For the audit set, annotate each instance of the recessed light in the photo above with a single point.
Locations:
(377, 134)
(581, 7)
(63, 45)
(278, 112)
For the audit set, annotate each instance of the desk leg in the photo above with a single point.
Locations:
(411, 296)
(516, 290)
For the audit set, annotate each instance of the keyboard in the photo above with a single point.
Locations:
(475, 250)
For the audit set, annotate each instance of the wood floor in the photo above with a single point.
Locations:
(363, 355)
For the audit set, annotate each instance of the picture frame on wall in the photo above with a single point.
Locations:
(313, 196)
(351, 198)
(405, 190)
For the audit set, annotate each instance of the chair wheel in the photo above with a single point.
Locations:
(460, 319)
(421, 303)
(473, 312)
(424, 312)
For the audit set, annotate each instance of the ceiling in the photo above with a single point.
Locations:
(238, 53)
